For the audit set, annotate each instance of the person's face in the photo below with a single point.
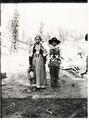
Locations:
(37, 40)
(54, 43)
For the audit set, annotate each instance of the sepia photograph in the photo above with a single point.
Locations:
(44, 60)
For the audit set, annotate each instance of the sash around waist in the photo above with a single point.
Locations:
(37, 55)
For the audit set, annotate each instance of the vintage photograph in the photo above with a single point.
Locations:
(44, 60)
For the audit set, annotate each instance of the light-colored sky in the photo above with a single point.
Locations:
(69, 16)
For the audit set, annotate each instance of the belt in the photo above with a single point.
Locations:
(36, 55)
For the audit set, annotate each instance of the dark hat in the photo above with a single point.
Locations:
(86, 37)
(38, 37)
(55, 40)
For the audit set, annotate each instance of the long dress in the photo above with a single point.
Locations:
(38, 62)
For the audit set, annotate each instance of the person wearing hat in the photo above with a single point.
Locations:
(86, 71)
(37, 60)
(54, 64)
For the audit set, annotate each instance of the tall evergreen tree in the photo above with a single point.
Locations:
(14, 27)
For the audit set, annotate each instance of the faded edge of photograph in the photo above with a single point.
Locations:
(0, 63)
(44, 60)
(44, 1)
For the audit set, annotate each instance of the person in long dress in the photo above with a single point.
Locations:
(37, 59)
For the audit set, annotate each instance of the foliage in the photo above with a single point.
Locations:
(14, 27)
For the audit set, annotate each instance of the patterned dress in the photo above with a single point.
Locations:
(38, 62)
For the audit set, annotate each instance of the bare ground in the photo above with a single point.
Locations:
(69, 100)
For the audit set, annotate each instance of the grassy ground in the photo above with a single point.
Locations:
(69, 100)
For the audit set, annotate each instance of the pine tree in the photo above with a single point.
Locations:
(14, 27)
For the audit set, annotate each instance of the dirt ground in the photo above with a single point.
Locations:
(69, 100)
(44, 108)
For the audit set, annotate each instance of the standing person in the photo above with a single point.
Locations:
(37, 60)
(86, 71)
(54, 65)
